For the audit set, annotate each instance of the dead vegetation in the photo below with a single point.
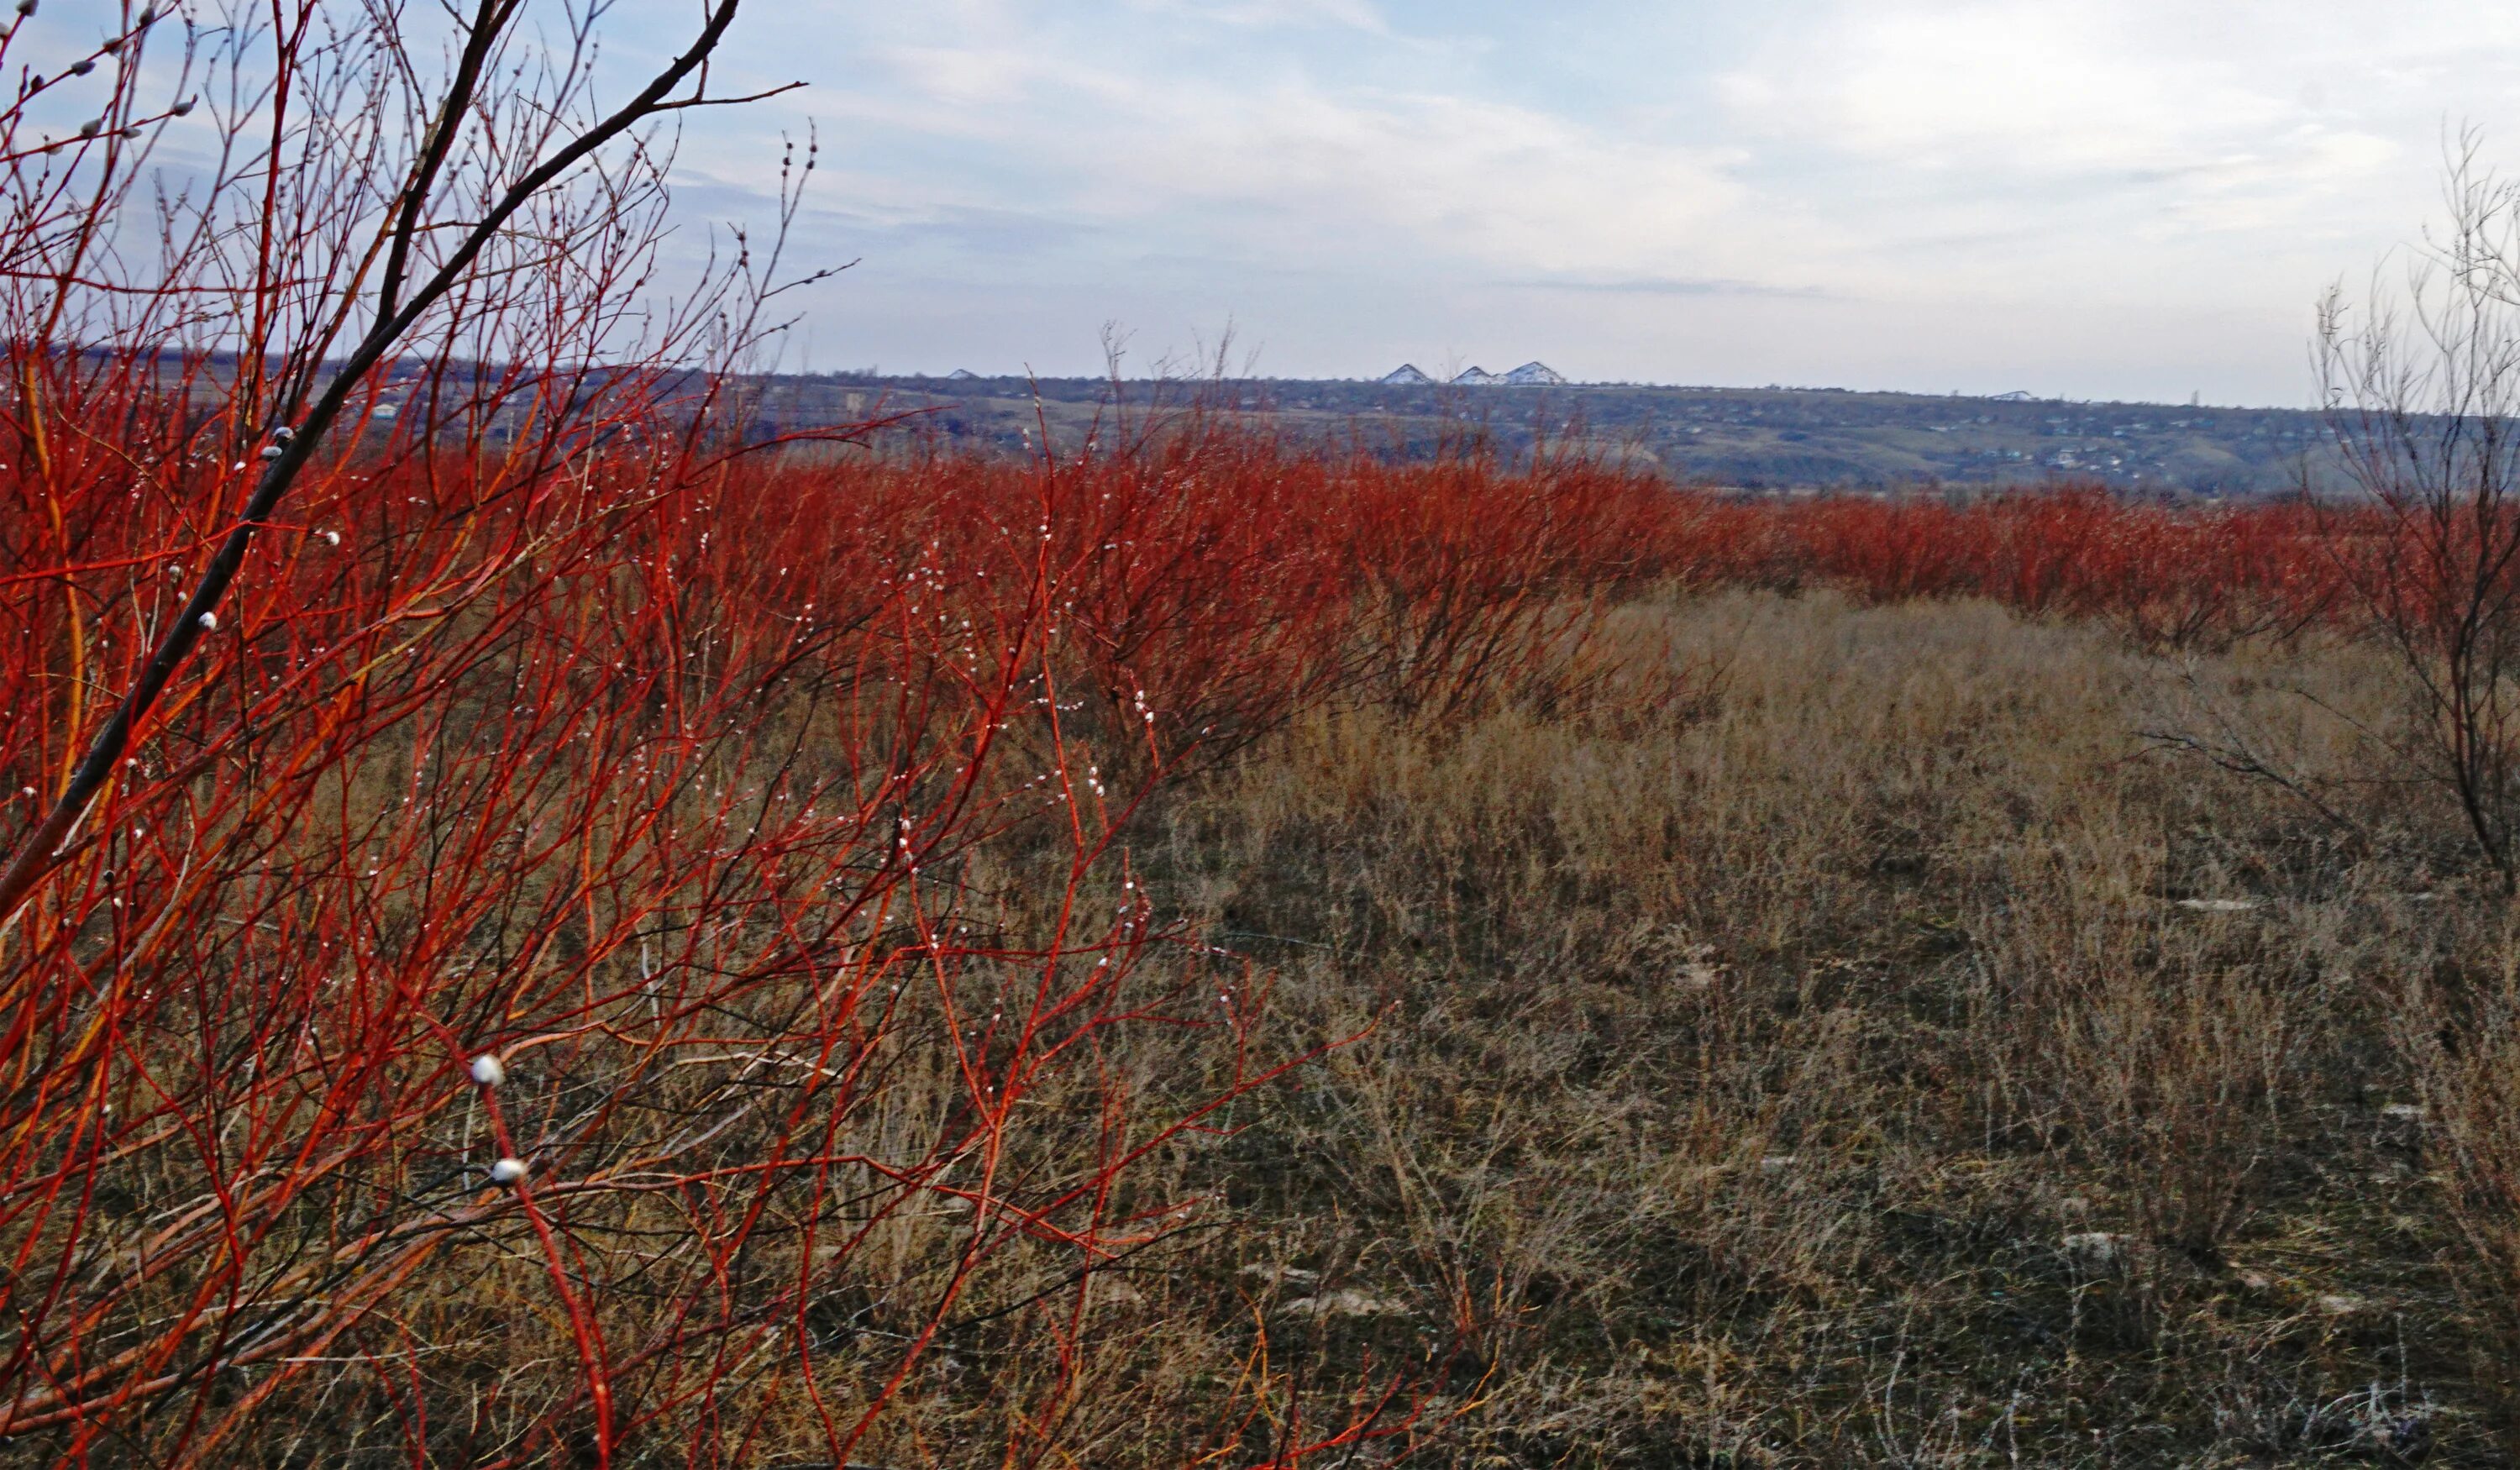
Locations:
(1887, 1058)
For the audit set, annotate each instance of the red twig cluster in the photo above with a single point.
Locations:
(585, 935)
(2169, 574)
(763, 821)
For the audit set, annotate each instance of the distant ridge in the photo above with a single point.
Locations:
(1740, 438)
(1531, 375)
(961, 374)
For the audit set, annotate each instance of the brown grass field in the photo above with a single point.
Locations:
(1890, 1057)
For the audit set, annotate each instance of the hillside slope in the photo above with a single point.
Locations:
(1753, 438)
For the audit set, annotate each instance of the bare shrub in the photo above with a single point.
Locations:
(2422, 390)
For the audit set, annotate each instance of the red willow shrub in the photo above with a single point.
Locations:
(761, 823)
(759, 826)
(688, 786)
(1475, 579)
(2168, 574)
(1211, 581)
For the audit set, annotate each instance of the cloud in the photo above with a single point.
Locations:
(1294, 170)
(996, 78)
(1356, 15)
(1669, 287)
(2018, 185)
(2188, 105)
(2017, 86)
(1275, 167)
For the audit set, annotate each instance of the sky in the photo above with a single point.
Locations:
(2088, 199)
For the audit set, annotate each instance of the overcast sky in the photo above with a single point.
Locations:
(2105, 198)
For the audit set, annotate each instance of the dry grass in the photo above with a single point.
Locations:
(1890, 1057)
(1842, 1038)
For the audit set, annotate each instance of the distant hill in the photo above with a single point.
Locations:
(1753, 438)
